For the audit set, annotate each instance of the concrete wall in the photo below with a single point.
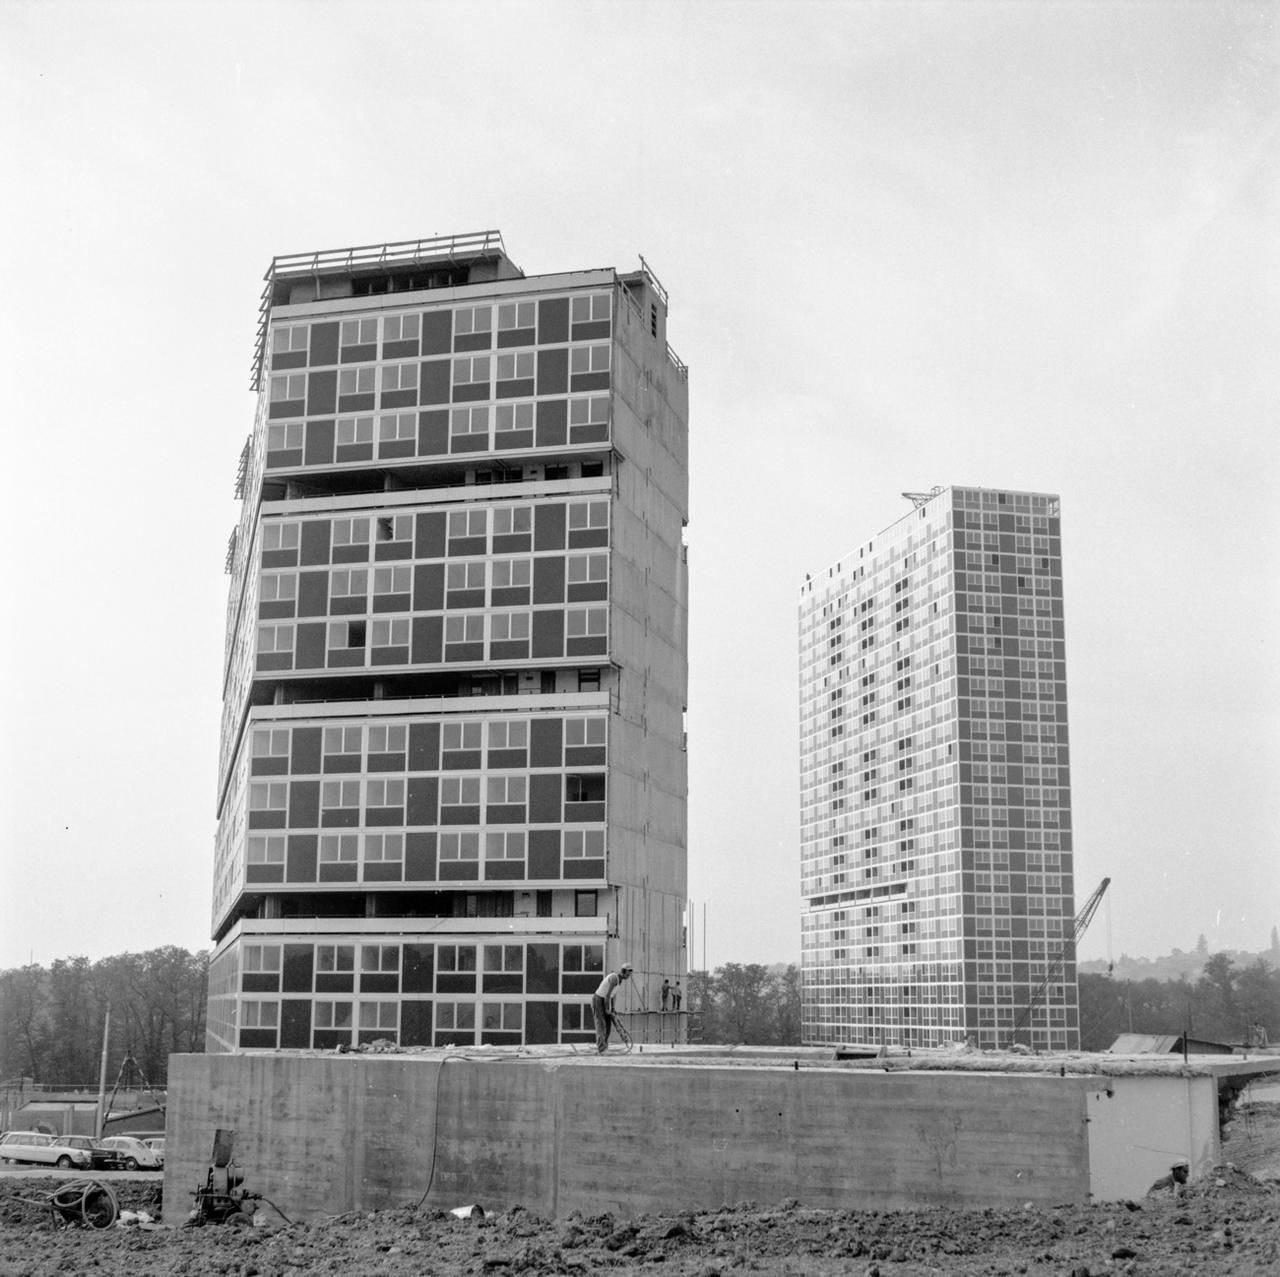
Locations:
(328, 1134)
(1140, 1126)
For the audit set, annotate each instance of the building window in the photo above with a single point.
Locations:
(382, 1017)
(588, 514)
(583, 844)
(259, 1015)
(469, 421)
(397, 427)
(333, 1015)
(509, 735)
(400, 376)
(287, 386)
(343, 741)
(453, 1017)
(583, 359)
(401, 327)
(472, 319)
(272, 795)
(584, 568)
(284, 435)
(464, 576)
(393, 579)
(507, 790)
(266, 850)
(504, 1017)
(514, 416)
(336, 959)
(384, 793)
(593, 411)
(357, 381)
(339, 849)
(460, 736)
(583, 622)
(460, 847)
(509, 627)
(467, 524)
(385, 849)
(389, 739)
(464, 629)
(585, 904)
(279, 536)
(380, 959)
(510, 574)
(353, 430)
(504, 846)
(271, 742)
(279, 587)
(503, 959)
(583, 959)
(389, 632)
(351, 532)
(460, 791)
(349, 583)
(516, 366)
(262, 959)
(516, 315)
(288, 341)
(275, 639)
(584, 731)
(359, 332)
(339, 795)
(590, 309)
(471, 370)
(512, 520)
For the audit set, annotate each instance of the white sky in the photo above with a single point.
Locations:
(1024, 245)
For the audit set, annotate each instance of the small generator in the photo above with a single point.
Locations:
(221, 1197)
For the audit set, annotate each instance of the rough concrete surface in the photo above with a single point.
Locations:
(1227, 1223)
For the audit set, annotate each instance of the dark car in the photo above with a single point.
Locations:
(104, 1158)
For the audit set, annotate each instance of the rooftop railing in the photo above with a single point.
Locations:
(437, 250)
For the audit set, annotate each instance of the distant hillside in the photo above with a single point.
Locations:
(1178, 965)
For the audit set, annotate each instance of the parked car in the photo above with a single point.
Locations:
(156, 1146)
(42, 1150)
(136, 1154)
(104, 1157)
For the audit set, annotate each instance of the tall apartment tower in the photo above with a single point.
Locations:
(452, 781)
(936, 854)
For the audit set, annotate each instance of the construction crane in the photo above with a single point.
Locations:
(1082, 920)
(918, 499)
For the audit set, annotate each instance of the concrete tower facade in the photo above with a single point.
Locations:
(936, 853)
(452, 782)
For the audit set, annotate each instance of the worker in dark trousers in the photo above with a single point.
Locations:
(602, 1004)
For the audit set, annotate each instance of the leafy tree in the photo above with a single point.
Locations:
(51, 1022)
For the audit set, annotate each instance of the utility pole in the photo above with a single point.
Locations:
(101, 1117)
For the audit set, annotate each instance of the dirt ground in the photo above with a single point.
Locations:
(1227, 1223)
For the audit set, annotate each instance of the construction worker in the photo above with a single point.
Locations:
(602, 1004)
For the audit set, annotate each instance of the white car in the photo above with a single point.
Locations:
(135, 1153)
(44, 1150)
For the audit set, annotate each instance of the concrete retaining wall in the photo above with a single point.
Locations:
(329, 1134)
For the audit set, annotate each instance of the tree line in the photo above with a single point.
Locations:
(746, 1002)
(51, 1019)
(1221, 1005)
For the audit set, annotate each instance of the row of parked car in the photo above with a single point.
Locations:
(82, 1152)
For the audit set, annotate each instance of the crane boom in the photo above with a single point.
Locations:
(1081, 922)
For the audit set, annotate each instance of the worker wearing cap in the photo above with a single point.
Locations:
(602, 1004)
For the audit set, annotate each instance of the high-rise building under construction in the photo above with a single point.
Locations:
(452, 780)
(936, 852)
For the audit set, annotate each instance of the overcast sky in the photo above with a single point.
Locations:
(1023, 245)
